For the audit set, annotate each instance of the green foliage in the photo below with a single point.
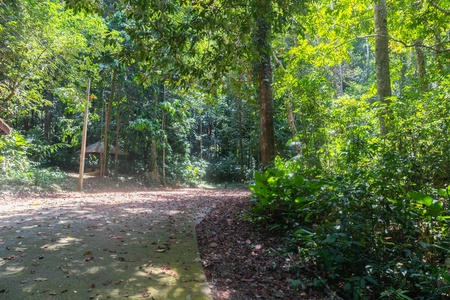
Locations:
(222, 171)
(13, 154)
(351, 225)
(18, 168)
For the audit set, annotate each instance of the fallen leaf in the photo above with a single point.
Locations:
(258, 247)
(89, 258)
(40, 279)
(107, 282)
(118, 281)
(87, 253)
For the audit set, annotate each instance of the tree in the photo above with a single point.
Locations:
(185, 38)
(382, 62)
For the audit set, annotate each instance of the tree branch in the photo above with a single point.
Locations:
(401, 42)
(444, 11)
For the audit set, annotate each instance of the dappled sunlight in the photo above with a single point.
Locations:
(11, 270)
(136, 244)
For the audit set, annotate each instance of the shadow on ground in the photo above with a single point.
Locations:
(96, 245)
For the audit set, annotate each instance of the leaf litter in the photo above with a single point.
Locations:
(62, 233)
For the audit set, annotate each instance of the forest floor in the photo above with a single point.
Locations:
(123, 240)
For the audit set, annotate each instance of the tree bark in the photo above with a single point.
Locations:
(421, 66)
(337, 74)
(201, 133)
(241, 144)
(163, 128)
(116, 155)
(437, 46)
(153, 175)
(48, 118)
(382, 63)
(266, 110)
(104, 163)
(367, 59)
(291, 121)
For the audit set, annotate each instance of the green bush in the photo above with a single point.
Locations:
(222, 171)
(371, 238)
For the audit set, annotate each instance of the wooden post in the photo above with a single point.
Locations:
(163, 128)
(83, 140)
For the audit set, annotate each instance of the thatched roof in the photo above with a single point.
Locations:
(4, 128)
(99, 148)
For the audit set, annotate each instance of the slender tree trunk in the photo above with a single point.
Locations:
(367, 59)
(266, 111)
(401, 86)
(421, 66)
(26, 124)
(48, 118)
(337, 74)
(163, 128)
(104, 164)
(241, 144)
(153, 173)
(116, 155)
(437, 46)
(382, 63)
(201, 133)
(291, 121)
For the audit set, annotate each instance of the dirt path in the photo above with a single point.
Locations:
(96, 245)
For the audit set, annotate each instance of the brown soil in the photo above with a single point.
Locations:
(242, 260)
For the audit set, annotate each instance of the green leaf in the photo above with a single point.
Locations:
(421, 198)
(435, 209)
(443, 193)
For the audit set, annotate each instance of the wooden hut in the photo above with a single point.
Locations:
(99, 147)
(4, 128)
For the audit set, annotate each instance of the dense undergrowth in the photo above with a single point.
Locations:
(370, 232)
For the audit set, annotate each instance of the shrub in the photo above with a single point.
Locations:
(362, 228)
(222, 171)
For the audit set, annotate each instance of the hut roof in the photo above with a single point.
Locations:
(99, 148)
(4, 128)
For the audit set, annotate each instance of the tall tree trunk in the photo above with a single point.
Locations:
(367, 59)
(116, 155)
(405, 59)
(241, 144)
(421, 65)
(104, 163)
(48, 118)
(26, 124)
(382, 62)
(153, 175)
(437, 46)
(291, 121)
(163, 128)
(337, 74)
(266, 110)
(201, 133)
